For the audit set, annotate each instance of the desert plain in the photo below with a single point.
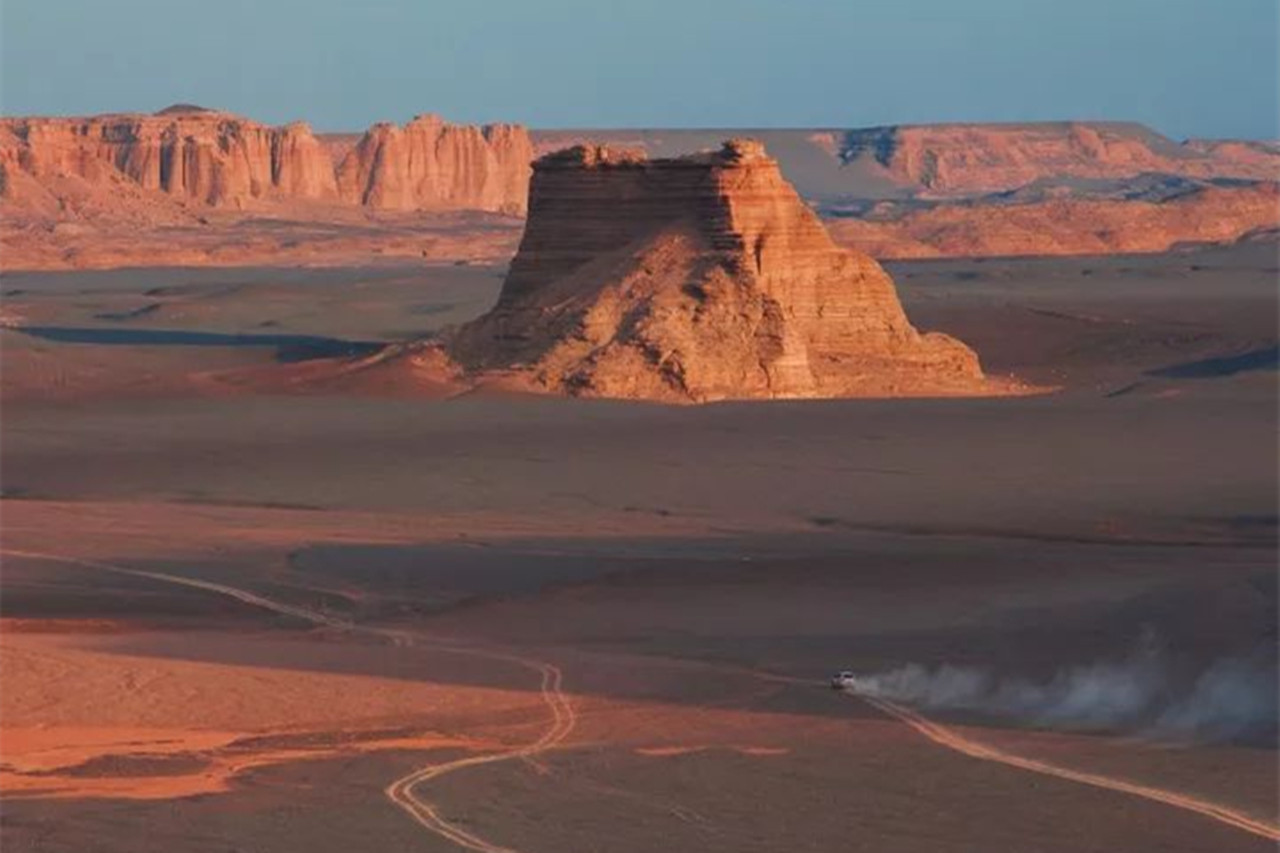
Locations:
(250, 604)
(381, 491)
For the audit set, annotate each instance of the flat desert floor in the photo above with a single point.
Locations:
(243, 611)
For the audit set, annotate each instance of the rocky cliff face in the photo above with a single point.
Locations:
(429, 164)
(206, 158)
(198, 156)
(106, 190)
(697, 278)
(972, 159)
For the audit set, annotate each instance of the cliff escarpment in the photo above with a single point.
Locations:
(208, 159)
(949, 160)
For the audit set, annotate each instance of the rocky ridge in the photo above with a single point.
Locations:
(208, 159)
(957, 160)
(429, 165)
(1066, 225)
(195, 186)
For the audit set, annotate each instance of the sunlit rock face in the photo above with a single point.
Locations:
(219, 160)
(430, 164)
(694, 279)
(200, 156)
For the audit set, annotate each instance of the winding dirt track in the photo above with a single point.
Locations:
(401, 791)
(563, 719)
(951, 739)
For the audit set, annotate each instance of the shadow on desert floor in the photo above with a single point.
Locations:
(1264, 358)
(289, 348)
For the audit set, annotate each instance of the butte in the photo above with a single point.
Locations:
(695, 279)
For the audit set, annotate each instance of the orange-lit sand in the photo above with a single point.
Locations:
(669, 751)
(525, 623)
(67, 704)
(221, 761)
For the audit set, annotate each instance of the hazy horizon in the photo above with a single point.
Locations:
(1185, 68)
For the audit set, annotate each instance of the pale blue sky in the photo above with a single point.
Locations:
(1185, 67)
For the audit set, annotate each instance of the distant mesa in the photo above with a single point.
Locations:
(183, 109)
(693, 279)
(957, 160)
(113, 190)
(964, 160)
(130, 164)
(1066, 225)
(1033, 188)
(430, 164)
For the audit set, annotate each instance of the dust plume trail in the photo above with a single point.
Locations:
(953, 740)
(401, 791)
(1148, 692)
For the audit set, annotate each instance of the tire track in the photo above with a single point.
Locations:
(401, 792)
(563, 720)
(953, 740)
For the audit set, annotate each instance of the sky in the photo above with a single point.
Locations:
(1202, 68)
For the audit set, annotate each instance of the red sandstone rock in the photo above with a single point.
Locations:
(693, 279)
(429, 164)
(204, 157)
(215, 159)
(966, 159)
(1068, 226)
(1065, 188)
(300, 166)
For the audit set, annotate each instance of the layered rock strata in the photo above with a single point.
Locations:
(429, 164)
(693, 279)
(201, 157)
(944, 160)
(207, 158)
(1068, 226)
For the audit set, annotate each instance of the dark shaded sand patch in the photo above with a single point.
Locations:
(1266, 358)
(130, 766)
(289, 348)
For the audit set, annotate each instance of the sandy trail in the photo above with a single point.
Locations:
(563, 720)
(401, 791)
(951, 739)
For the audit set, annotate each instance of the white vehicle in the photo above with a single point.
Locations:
(844, 680)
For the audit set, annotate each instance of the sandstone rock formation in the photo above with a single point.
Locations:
(970, 159)
(204, 157)
(198, 186)
(1067, 225)
(429, 164)
(962, 160)
(218, 160)
(697, 278)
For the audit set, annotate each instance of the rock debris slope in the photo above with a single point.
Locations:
(693, 279)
